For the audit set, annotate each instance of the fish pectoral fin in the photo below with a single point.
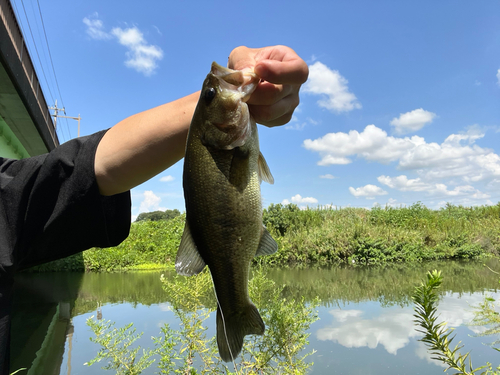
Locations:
(267, 244)
(264, 171)
(189, 261)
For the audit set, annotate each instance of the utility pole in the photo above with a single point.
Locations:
(55, 115)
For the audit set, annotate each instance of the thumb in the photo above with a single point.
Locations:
(241, 58)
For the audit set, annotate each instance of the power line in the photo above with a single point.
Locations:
(50, 55)
(43, 47)
(52, 64)
(48, 83)
(36, 50)
(18, 15)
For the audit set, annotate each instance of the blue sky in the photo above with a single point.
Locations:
(402, 104)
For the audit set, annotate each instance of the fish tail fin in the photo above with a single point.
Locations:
(233, 328)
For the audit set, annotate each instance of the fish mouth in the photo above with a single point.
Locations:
(242, 82)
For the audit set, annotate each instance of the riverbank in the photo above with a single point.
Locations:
(321, 236)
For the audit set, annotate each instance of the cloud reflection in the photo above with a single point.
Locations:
(393, 327)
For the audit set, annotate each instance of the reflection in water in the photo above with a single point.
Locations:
(392, 329)
(42, 309)
(365, 326)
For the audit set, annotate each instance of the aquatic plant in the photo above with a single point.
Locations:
(189, 351)
(485, 315)
(437, 337)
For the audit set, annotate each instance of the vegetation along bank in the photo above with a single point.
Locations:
(321, 236)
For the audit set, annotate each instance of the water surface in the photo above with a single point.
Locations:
(365, 325)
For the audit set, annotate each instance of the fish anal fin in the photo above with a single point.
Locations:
(267, 244)
(188, 261)
(264, 171)
(232, 329)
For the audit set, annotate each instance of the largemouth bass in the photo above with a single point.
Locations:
(223, 168)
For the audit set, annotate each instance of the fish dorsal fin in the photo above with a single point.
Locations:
(188, 261)
(267, 245)
(264, 171)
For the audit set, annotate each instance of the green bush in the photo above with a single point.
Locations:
(381, 235)
(279, 218)
(73, 263)
(324, 236)
(438, 338)
(158, 215)
(149, 243)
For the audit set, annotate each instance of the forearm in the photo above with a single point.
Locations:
(143, 145)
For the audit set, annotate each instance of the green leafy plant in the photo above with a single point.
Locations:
(437, 337)
(116, 348)
(158, 215)
(189, 351)
(485, 315)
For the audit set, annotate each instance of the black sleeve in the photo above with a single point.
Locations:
(52, 206)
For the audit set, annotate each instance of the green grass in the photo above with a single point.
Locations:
(381, 235)
(323, 236)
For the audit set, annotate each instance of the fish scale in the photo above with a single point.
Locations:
(223, 168)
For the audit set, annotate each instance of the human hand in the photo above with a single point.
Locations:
(282, 72)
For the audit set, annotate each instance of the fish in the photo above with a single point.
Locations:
(223, 170)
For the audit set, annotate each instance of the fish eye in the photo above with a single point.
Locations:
(209, 95)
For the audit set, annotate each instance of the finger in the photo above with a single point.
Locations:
(278, 53)
(285, 119)
(267, 93)
(283, 72)
(241, 58)
(276, 114)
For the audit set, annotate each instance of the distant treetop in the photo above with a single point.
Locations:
(158, 215)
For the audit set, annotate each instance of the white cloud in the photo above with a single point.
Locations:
(412, 121)
(328, 83)
(342, 315)
(391, 202)
(457, 156)
(423, 353)
(157, 30)
(372, 144)
(327, 176)
(165, 306)
(296, 124)
(392, 329)
(95, 28)
(151, 202)
(167, 178)
(298, 199)
(141, 56)
(367, 191)
(498, 77)
(402, 183)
